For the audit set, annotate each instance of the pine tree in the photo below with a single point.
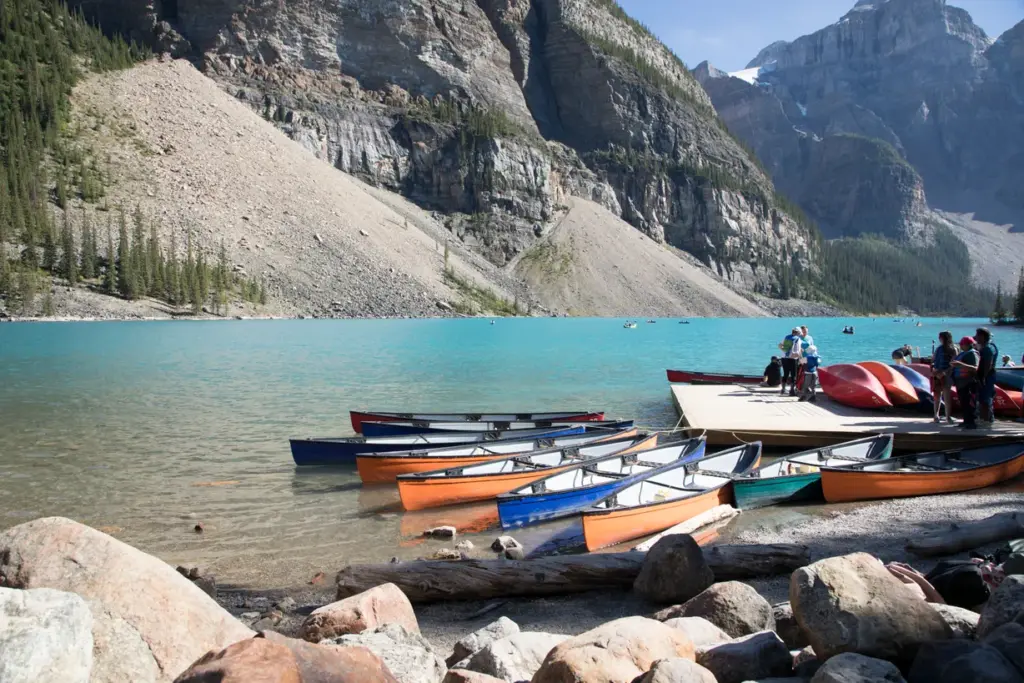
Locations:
(110, 279)
(89, 259)
(28, 286)
(140, 256)
(221, 281)
(999, 312)
(202, 279)
(1018, 307)
(48, 304)
(171, 278)
(263, 294)
(125, 277)
(69, 253)
(154, 261)
(188, 279)
(50, 259)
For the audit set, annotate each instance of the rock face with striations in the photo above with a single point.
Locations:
(494, 112)
(919, 79)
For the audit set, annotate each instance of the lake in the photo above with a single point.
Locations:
(144, 429)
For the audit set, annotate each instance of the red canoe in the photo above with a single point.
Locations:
(899, 389)
(688, 377)
(1005, 403)
(923, 368)
(853, 386)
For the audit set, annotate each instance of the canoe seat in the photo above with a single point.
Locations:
(716, 473)
(592, 469)
(526, 463)
(649, 463)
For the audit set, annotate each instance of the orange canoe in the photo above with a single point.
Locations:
(924, 474)
(667, 496)
(487, 480)
(898, 388)
(384, 468)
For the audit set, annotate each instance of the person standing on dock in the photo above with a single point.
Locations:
(965, 377)
(790, 347)
(806, 341)
(811, 362)
(942, 382)
(988, 353)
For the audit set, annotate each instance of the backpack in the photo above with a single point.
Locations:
(961, 583)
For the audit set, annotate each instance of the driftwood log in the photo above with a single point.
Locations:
(434, 580)
(954, 538)
(717, 514)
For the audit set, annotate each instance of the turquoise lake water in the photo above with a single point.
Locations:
(144, 428)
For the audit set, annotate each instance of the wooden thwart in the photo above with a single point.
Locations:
(436, 580)
(954, 538)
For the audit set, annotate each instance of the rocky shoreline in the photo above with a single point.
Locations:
(82, 606)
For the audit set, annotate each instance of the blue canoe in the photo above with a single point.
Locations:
(1010, 378)
(438, 427)
(922, 385)
(343, 450)
(576, 489)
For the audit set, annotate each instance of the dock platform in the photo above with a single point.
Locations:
(730, 414)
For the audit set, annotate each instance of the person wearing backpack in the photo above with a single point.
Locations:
(965, 377)
(988, 354)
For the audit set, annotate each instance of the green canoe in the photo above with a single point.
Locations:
(796, 478)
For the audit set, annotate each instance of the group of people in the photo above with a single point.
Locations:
(970, 366)
(799, 357)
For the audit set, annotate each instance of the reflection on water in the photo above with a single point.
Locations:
(144, 429)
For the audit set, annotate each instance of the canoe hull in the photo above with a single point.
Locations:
(359, 417)
(840, 486)
(525, 510)
(690, 377)
(796, 488)
(897, 387)
(429, 493)
(853, 386)
(605, 528)
(394, 428)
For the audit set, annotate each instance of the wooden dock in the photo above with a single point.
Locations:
(733, 414)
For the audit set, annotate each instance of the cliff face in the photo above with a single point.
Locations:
(492, 112)
(916, 74)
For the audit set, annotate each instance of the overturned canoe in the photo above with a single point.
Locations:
(381, 468)
(899, 390)
(574, 489)
(359, 417)
(1010, 378)
(693, 377)
(922, 385)
(667, 496)
(396, 428)
(853, 386)
(924, 474)
(343, 450)
(797, 477)
(486, 480)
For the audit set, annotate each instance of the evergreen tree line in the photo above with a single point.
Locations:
(1000, 314)
(136, 265)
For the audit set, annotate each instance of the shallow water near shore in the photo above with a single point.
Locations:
(144, 429)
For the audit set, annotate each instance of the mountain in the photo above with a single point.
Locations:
(495, 114)
(901, 118)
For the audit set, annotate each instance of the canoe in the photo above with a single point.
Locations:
(426, 427)
(691, 377)
(921, 368)
(1010, 378)
(796, 478)
(899, 390)
(579, 487)
(343, 450)
(486, 480)
(382, 468)
(1005, 403)
(853, 386)
(924, 474)
(668, 496)
(359, 417)
(922, 385)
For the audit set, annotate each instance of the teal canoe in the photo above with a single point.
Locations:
(796, 478)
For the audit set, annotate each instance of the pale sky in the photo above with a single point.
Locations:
(729, 33)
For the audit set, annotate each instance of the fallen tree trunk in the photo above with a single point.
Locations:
(954, 538)
(712, 516)
(434, 580)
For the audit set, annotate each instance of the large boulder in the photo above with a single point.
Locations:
(408, 656)
(676, 670)
(1009, 640)
(673, 571)
(502, 628)
(850, 667)
(615, 652)
(45, 635)
(933, 657)
(1004, 605)
(384, 604)
(701, 632)
(734, 607)
(788, 627)
(148, 621)
(272, 658)
(983, 664)
(515, 657)
(963, 622)
(853, 604)
(761, 655)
